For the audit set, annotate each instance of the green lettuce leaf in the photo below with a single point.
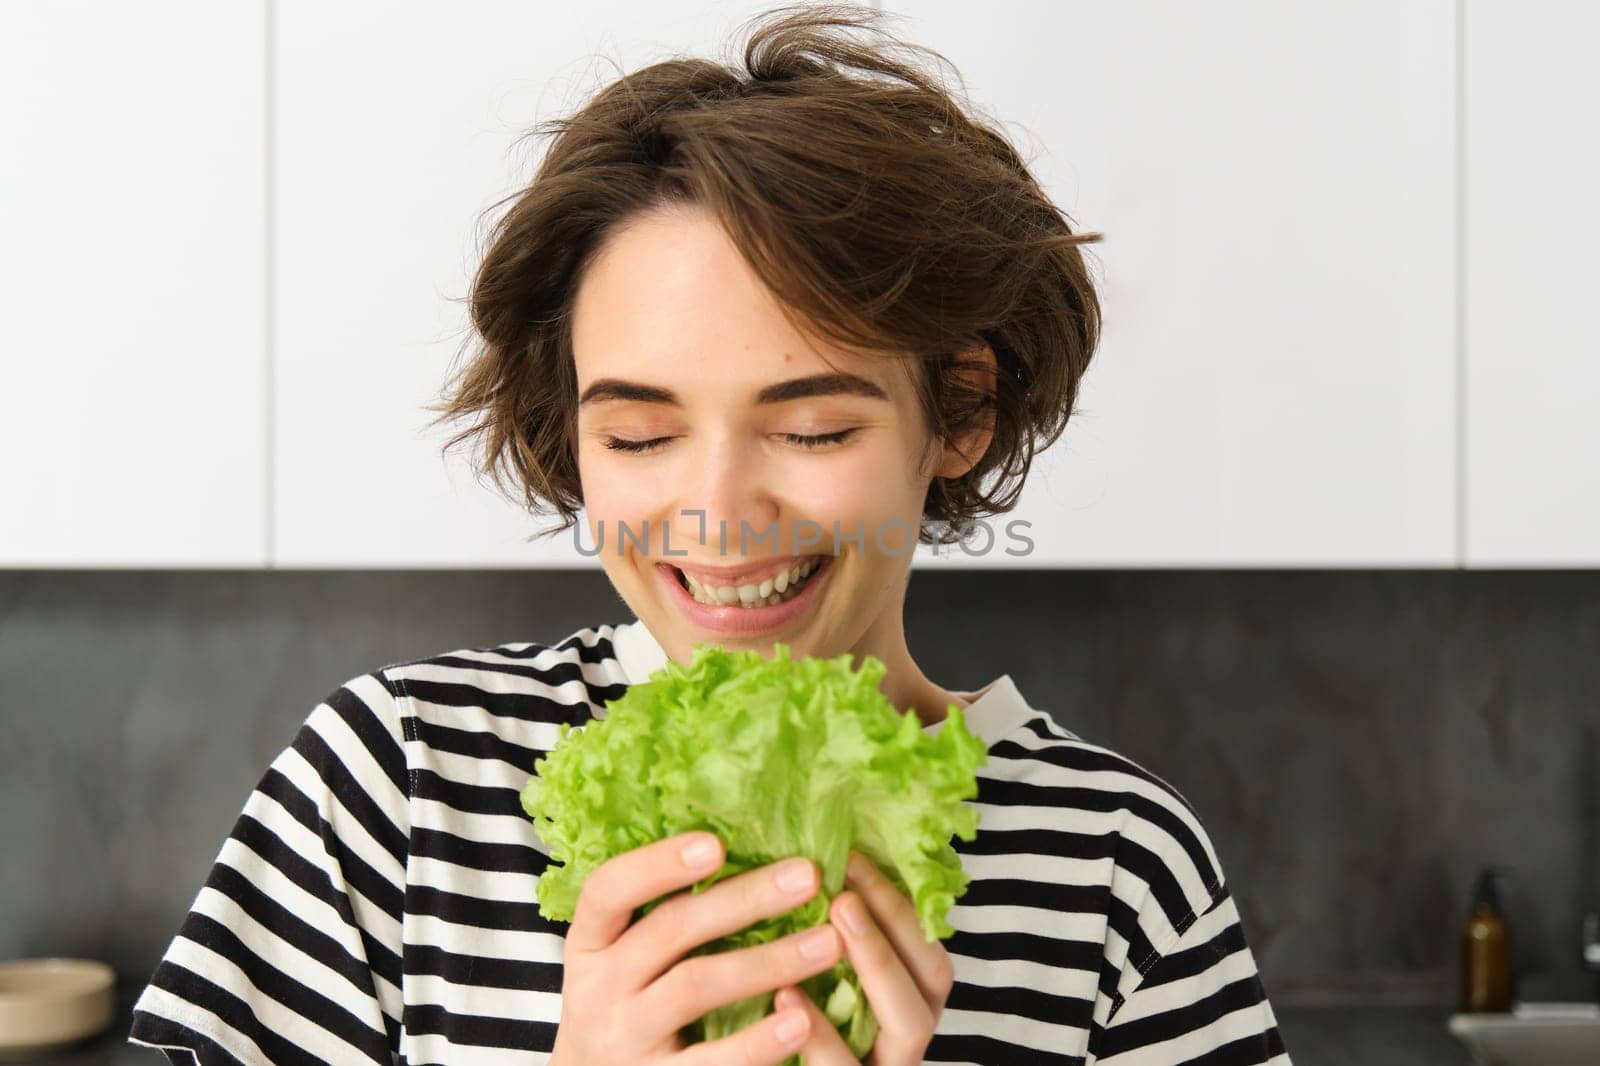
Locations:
(778, 758)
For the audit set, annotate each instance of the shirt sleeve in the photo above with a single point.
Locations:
(1199, 1000)
(291, 952)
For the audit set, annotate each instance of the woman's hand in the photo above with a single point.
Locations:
(906, 979)
(627, 987)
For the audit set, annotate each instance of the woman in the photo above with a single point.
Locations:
(780, 324)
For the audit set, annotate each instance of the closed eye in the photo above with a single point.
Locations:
(621, 444)
(817, 441)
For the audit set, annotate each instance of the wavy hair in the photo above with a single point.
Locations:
(881, 213)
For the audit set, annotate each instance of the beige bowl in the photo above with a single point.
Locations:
(45, 1003)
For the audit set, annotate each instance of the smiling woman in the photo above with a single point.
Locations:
(706, 415)
(770, 327)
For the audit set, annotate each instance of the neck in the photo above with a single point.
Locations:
(904, 684)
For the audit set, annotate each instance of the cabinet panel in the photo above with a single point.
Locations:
(395, 130)
(1275, 182)
(132, 221)
(1532, 317)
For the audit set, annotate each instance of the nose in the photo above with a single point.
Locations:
(731, 483)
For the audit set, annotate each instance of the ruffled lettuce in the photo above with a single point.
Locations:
(778, 758)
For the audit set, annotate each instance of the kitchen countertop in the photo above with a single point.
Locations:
(1314, 1036)
(1370, 1036)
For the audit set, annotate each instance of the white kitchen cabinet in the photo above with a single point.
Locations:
(395, 128)
(132, 218)
(1532, 319)
(1275, 182)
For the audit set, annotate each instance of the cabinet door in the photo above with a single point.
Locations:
(1275, 183)
(1532, 316)
(132, 225)
(395, 128)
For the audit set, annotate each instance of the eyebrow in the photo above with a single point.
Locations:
(836, 384)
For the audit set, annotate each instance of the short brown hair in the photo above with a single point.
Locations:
(879, 213)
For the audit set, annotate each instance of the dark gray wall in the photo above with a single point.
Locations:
(1357, 742)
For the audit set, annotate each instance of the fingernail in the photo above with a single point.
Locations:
(786, 998)
(794, 875)
(818, 943)
(857, 867)
(789, 1029)
(700, 854)
(851, 915)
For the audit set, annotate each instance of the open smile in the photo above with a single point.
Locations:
(750, 606)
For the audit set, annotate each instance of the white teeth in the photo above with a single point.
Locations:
(784, 585)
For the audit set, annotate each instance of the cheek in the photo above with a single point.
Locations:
(614, 487)
(873, 489)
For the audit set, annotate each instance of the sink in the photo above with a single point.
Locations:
(1532, 1034)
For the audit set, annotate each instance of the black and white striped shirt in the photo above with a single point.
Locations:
(375, 899)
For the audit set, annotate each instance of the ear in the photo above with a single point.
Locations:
(963, 453)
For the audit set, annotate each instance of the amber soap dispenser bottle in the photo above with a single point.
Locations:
(1486, 981)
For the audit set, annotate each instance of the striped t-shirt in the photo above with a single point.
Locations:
(375, 899)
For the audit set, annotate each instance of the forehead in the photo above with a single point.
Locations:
(668, 296)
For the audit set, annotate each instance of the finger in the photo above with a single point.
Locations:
(766, 1043)
(686, 921)
(905, 1019)
(625, 882)
(701, 983)
(825, 1047)
(896, 916)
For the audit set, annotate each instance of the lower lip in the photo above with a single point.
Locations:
(735, 620)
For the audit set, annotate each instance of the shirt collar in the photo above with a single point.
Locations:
(994, 711)
(638, 651)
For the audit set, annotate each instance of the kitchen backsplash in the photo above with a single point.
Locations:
(1358, 743)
